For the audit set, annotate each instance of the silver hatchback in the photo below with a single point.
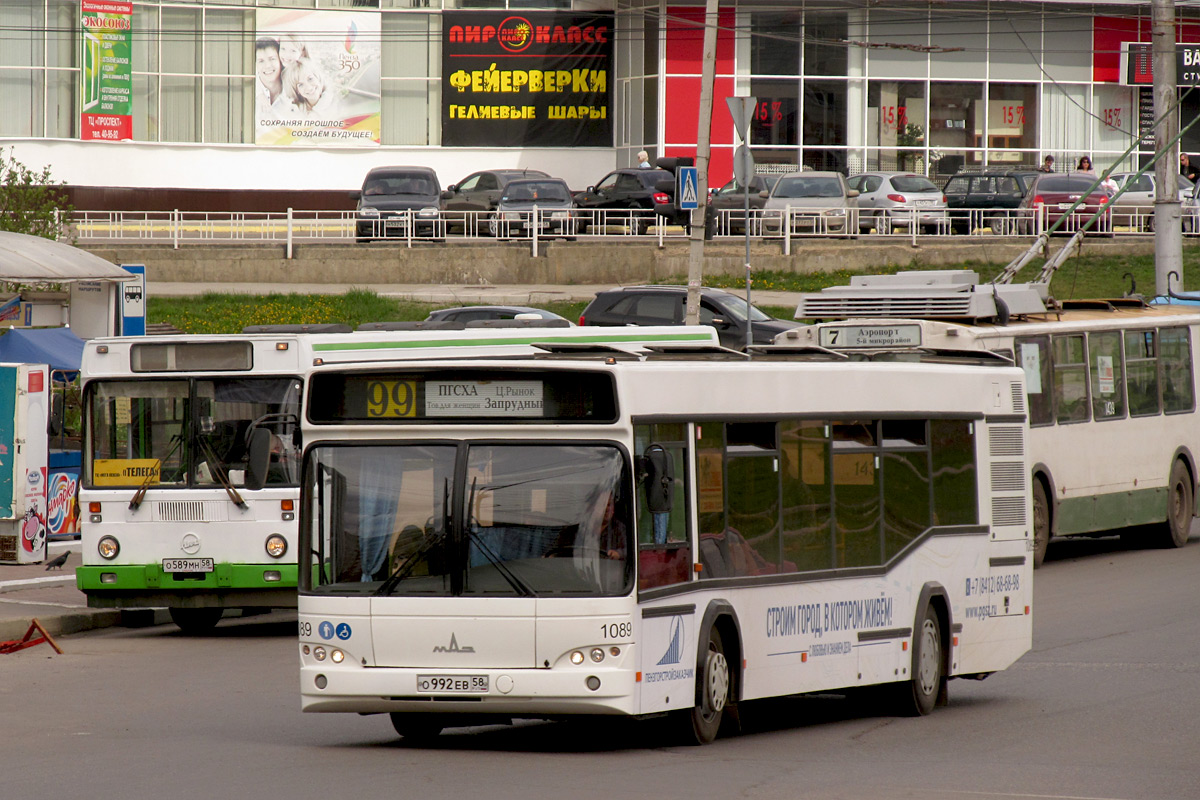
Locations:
(814, 202)
(1134, 208)
(890, 200)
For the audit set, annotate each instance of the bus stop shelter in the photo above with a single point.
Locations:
(93, 296)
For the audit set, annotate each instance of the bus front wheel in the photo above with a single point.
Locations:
(1180, 507)
(1041, 523)
(416, 727)
(712, 691)
(196, 620)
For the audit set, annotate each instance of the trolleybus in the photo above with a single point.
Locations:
(667, 533)
(173, 512)
(1110, 387)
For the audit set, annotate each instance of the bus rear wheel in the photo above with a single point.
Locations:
(196, 620)
(416, 727)
(712, 692)
(1041, 523)
(1180, 507)
(918, 696)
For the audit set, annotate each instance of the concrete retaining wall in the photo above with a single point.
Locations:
(558, 262)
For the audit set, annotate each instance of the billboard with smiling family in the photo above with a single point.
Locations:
(317, 77)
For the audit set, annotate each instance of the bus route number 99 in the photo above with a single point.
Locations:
(391, 399)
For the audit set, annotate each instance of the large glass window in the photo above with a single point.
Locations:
(198, 433)
(534, 520)
(775, 43)
(1108, 375)
(1141, 365)
(955, 120)
(824, 113)
(807, 500)
(664, 544)
(1070, 379)
(1033, 355)
(896, 124)
(1012, 122)
(825, 48)
(1177, 370)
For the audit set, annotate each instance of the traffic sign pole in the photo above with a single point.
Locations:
(742, 110)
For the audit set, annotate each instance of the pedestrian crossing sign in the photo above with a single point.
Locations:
(688, 189)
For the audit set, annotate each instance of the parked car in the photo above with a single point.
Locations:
(1051, 197)
(666, 305)
(970, 196)
(632, 190)
(387, 197)
(889, 200)
(476, 313)
(515, 211)
(1134, 208)
(727, 204)
(479, 192)
(821, 202)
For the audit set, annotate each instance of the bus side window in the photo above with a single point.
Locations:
(1033, 354)
(1070, 379)
(664, 547)
(1141, 370)
(1175, 360)
(1107, 375)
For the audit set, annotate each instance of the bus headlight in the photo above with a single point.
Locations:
(597, 654)
(276, 545)
(576, 657)
(108, 547)
(337, 656)
(319, 653)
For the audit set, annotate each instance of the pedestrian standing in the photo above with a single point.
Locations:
(1085, 165)
(643, 159)
(1048, 164)
(1187, 169)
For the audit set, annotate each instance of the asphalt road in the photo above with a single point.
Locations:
(1104, 706)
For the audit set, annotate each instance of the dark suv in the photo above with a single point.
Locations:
(666, 305)
(627, 189)
(391, 197)
(969, 196)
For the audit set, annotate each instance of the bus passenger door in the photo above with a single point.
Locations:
(663, 541)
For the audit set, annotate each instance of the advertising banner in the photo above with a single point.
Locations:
(317, 77)
(107, 74)
(536, 79)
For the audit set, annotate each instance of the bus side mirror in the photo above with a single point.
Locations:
(54, 425)
(259, 459)
(660, 475)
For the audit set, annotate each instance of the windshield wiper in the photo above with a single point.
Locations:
(411, 562)
(491, 556)
(218, 471)
(140, 494)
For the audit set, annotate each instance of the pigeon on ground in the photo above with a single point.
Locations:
(58, 562)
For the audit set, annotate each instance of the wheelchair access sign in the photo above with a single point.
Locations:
(688, 190)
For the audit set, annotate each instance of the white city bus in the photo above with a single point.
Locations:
(1111, 389)
(594, 534)
(173, 512)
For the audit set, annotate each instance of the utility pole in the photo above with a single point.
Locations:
(703, 134)
(1168, 234)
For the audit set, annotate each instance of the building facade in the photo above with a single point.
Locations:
(146, 96)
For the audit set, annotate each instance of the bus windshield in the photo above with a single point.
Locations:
(181, 432)
(500, 520)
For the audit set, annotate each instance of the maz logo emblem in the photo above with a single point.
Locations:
(453, 648)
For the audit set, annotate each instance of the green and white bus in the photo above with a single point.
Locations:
(1110, 388)
(174, 512)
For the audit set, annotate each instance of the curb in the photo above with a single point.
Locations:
(65, 624)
